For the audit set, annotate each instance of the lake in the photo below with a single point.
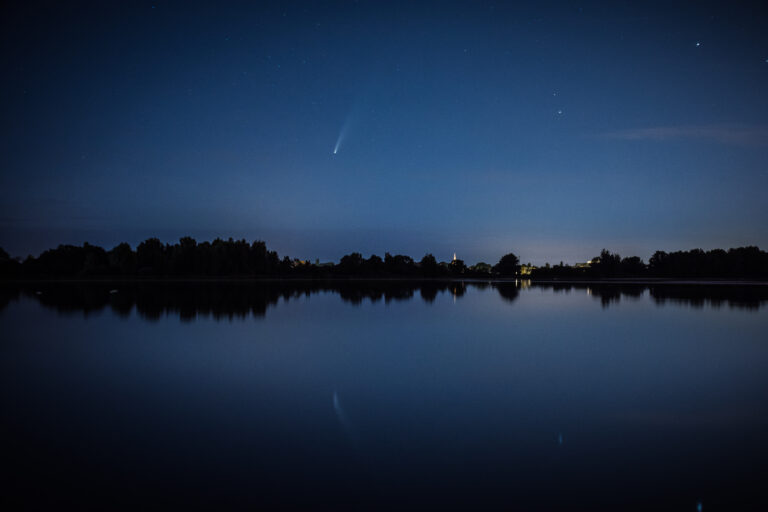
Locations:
(384, 394)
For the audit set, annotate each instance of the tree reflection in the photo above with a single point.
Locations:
(240, 299)
(508, 291)
(746, 296)
(218, 299)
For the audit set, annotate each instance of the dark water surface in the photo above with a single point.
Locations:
(384, 395)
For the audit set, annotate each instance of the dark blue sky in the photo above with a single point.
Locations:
(551, 130)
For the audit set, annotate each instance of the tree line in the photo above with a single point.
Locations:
(737, 263)
(238, 258)
(219, 258)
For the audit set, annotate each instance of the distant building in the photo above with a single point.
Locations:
(587, 264)
(525, 270)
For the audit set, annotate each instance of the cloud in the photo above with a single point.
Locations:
(736, 135)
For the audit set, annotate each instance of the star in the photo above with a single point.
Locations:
(698, 43)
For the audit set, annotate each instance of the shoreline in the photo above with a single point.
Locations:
(361, 279)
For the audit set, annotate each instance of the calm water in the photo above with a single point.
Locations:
(385, 395)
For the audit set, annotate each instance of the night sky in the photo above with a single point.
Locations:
(551, 130)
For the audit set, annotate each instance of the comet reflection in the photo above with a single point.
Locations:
(342, 416)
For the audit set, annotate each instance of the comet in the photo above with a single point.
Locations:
(342, 135)
(350, 121)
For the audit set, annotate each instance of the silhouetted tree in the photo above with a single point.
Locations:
(658, 263)
(737, 262)
(373, 266)
(508, 265)
(399, 265)
(458, 267)
(608, 264)
(68, 261)
(481, 268)
(285, 265)
(150, 257)
(351, 263)
(632, 266)
(122, 260)
(183, 256)
(9, 267)
(428, 266)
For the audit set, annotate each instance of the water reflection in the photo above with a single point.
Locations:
(234, 299)
(556, 396)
